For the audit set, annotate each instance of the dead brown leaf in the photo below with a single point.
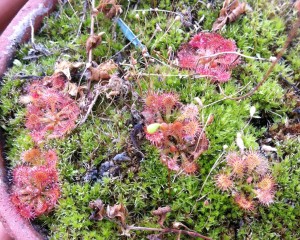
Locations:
(161, 213)
(229, 13)
(93, 41)
(67, 67)
(99, 211)
(109, 8)
(73, 89)
(103, 71)
(117, 211)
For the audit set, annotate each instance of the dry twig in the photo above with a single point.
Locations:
(169, 230)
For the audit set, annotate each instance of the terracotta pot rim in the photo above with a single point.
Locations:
(8, 9)
(18, 31)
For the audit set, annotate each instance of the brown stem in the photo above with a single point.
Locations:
(90, 53)
(292, 34)
(90, 57)
(169, 183)
(169, 230)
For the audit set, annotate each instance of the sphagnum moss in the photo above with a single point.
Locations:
(258, 33)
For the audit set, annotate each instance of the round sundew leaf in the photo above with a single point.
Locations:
(152, 128)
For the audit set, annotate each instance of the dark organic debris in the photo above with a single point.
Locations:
(117, 87)
(91, 175)
(283, 132)
(186, 18)
(295, 88)
(121, 157)
(37, 51)
(136, 134)
(297, 110)
(109, 168)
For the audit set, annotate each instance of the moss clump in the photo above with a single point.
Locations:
(106, 132)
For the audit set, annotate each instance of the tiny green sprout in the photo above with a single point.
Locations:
(152, 128)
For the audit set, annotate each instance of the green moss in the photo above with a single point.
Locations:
(71, 219)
